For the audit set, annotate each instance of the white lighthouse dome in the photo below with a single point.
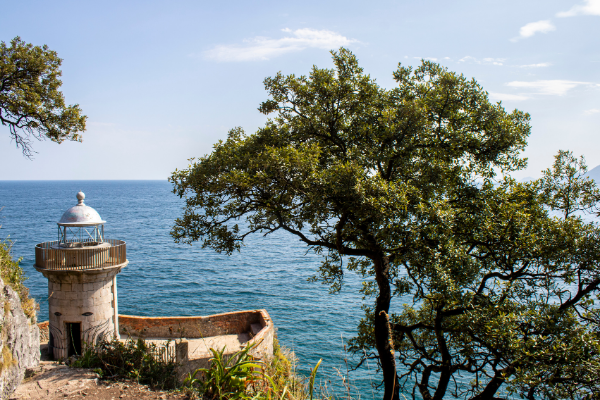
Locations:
(80, 215)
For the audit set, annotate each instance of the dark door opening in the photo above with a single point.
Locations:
(74, 338)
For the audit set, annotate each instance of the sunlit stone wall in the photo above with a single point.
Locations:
(87, 298)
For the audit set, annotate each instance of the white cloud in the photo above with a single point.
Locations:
(494, 61)
(549, 87)
(263, 48)
(591, 7)
(488, 60)
(540, 65)
(592, 111)
(532, 28)
(426, 58)
(508, 97)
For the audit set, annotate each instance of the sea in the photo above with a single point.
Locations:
(164, 278)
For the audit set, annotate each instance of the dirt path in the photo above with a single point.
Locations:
(51, 381)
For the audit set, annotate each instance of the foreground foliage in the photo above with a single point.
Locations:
(12, 275)
(227, 377)
(133, 359)
(31, 104)
(241, 377)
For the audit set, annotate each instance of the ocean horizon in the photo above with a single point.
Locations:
(168, 279)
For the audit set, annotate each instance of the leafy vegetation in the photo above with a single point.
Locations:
(132, 359)
(474, 285)
(241, 377)
(235, 377)
(279, 379)
(12, 275)
(503, 293)
(227, 377)
(30, 103)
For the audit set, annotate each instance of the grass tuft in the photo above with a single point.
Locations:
(274, 379)
(7, 359)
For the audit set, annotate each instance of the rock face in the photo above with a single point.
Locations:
(19, 342)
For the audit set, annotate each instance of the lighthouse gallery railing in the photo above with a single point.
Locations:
(49, 255)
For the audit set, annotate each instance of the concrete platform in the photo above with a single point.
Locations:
(198, 348)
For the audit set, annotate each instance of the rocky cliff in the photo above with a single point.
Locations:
(19, 341)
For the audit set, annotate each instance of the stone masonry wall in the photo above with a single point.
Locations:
(19, 342)
(77, 297)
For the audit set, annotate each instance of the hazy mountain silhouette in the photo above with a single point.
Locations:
(594, 173)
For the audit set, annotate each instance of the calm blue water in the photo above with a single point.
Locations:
(164, 278)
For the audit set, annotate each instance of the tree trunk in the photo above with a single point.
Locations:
(494, 384)
(383, 334)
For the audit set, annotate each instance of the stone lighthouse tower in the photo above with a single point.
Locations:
(81, 267)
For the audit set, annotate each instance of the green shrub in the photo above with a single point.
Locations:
(133, 359)
(239, 377)
(242, 378)
(227, 378)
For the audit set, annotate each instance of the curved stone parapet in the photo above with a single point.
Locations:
(188, 340)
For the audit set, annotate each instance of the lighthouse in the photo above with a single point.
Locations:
(81, 268)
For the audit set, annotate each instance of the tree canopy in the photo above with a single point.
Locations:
(503, 293)
(396, 185)
(31, 105)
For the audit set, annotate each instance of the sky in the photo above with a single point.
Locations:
(161, 81)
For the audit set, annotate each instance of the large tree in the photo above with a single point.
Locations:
(503, 292)
(363, 173)
(31, 104)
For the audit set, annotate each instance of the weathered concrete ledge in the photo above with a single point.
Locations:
(193, 327)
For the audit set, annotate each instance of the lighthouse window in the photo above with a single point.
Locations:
(74, 338)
